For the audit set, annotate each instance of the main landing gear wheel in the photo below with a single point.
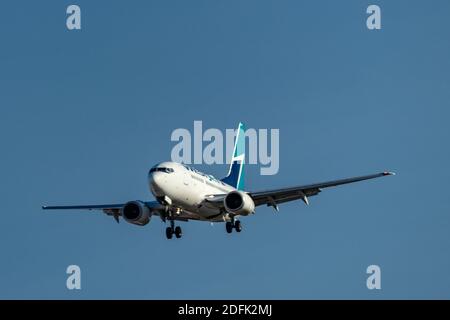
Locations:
(238, 226)
(169, 232)
(178, 232)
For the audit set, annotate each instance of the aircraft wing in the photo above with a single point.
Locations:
(274, 197)
(110, 209)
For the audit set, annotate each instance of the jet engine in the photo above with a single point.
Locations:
(239, 203)
(136, 212)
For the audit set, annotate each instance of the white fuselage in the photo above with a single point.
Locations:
(186, 189)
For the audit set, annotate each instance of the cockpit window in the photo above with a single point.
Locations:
(161, 169)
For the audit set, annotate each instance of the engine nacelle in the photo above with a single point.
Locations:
(239, 203)
(136, 212)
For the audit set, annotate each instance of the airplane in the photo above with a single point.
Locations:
(183, 193)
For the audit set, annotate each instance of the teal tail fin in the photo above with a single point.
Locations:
(235, 175)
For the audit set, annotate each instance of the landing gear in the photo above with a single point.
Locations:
(170, 231)
(178, 232)
(229, 227)
(236, 224)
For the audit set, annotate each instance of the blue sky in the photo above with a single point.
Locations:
(85, 114)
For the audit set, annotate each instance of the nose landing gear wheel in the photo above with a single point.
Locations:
(178, 232)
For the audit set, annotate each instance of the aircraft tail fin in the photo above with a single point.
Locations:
(235, 175)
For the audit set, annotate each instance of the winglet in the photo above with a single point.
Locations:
(388, 173)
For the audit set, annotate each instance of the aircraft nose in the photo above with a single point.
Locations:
(155, 182)
(155, 178)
